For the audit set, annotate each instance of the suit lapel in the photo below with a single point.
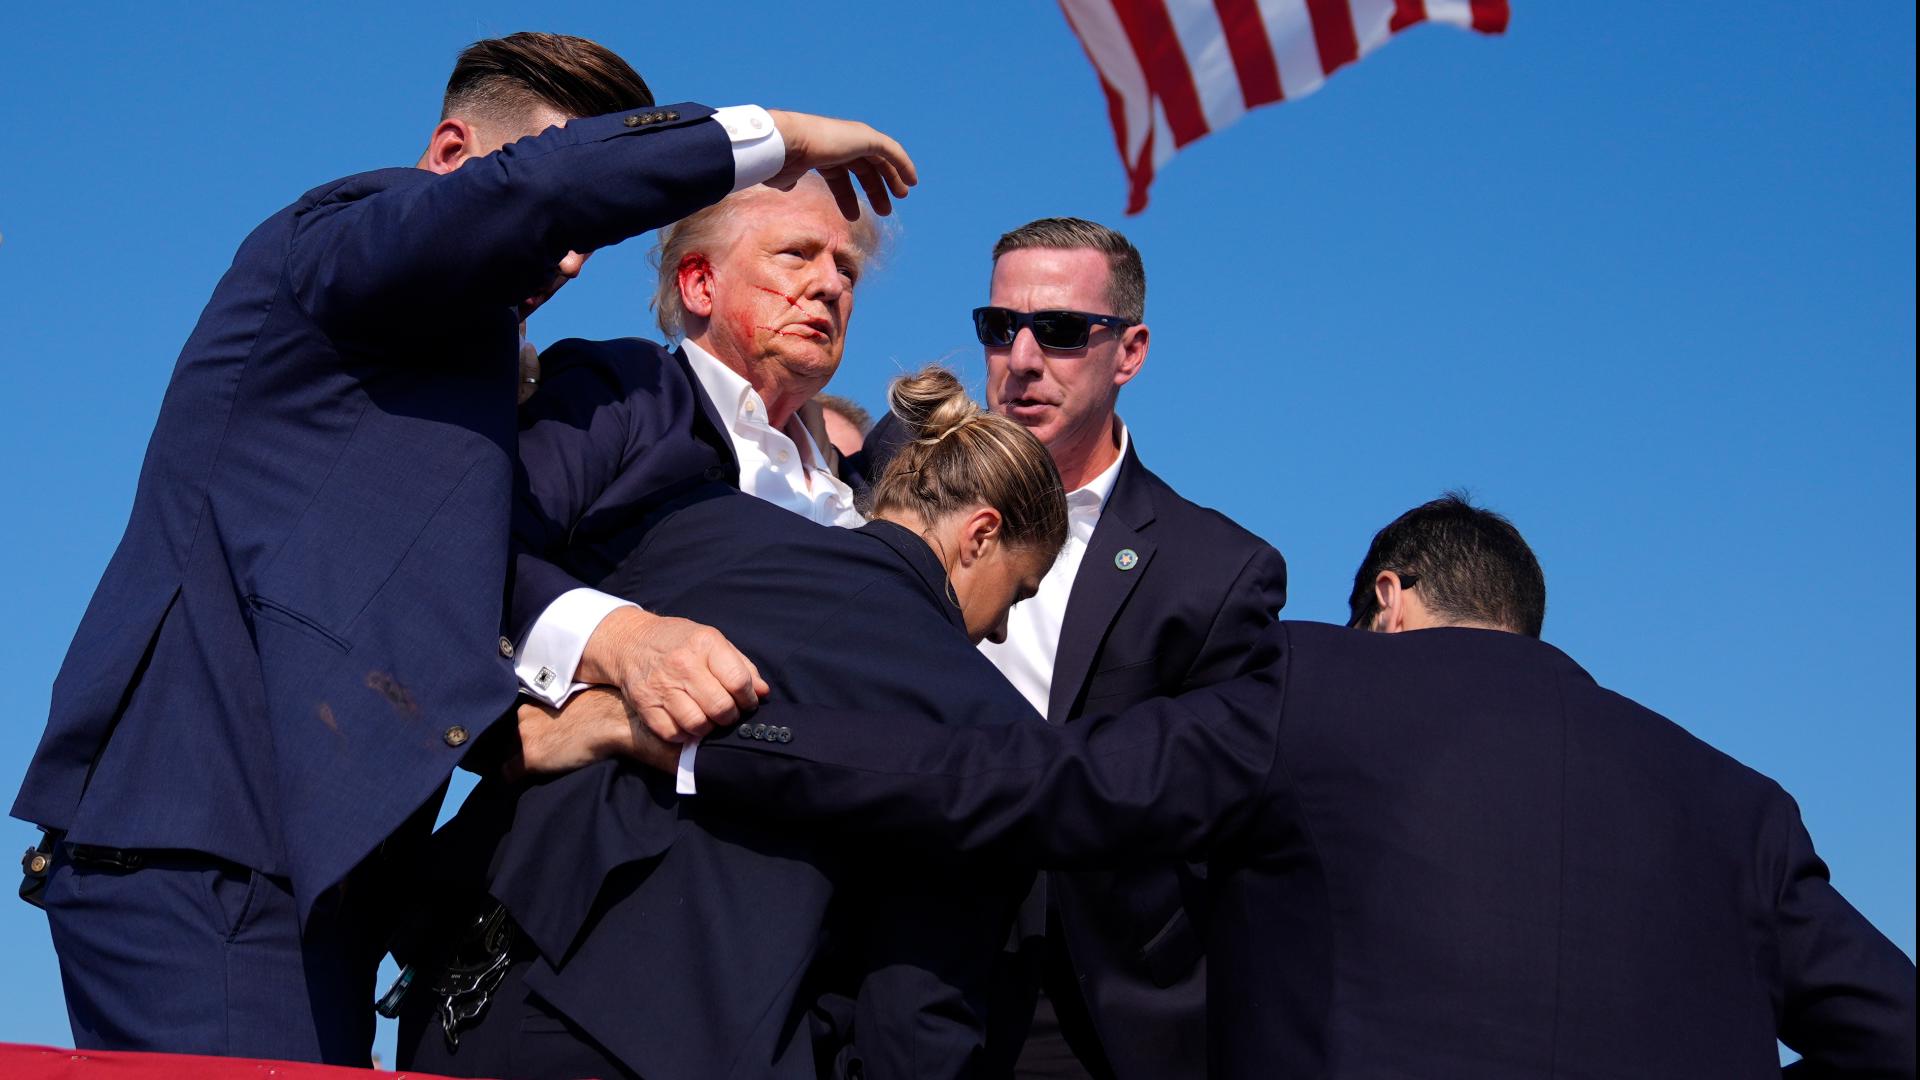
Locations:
(718, 433)
(1101, 586)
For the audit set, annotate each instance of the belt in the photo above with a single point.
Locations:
(99, 857)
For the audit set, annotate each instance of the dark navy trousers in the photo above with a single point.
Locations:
(192, 954)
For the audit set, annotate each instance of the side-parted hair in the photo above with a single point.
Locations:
(704, 232)
(1469, 565)
(962, 456)
(504, 79)
(1126, 276)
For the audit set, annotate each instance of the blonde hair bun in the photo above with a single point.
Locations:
(932, 403)
(963, 456)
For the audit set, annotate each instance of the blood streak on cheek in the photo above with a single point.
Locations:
(791, 302)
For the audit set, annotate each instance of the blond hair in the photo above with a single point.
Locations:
(962, 456)
(704, 232)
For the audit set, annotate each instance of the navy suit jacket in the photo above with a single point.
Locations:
(300, 630)
(1195, 599)
(638, 905)
(1440, 853)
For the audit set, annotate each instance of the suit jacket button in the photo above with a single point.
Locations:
(454, 736)
(506, 648)
(786, 734)
(760, 731)
(671, 115)
(745, 731)
(632, 121)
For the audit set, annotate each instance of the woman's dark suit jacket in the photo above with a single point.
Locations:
(684, 940)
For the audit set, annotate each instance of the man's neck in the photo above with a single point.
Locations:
(1079, 465)
(782, 399)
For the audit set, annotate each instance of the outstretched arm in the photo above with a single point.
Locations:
(1172, 776)
(492, 232)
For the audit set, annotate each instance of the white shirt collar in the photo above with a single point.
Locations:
(728, 389)
(741, 404)
(1093, 495)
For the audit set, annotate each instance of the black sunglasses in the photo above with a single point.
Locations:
(1061, 331)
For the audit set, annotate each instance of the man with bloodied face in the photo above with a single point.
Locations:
(759, 289)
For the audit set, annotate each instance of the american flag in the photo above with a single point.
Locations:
(1174, 70)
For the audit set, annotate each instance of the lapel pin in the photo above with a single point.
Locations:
(1127, 559)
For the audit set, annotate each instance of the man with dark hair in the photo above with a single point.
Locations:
(1440, 850)
(1153, 595)
(299, 635)
(1472, 567)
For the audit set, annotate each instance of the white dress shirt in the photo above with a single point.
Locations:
(1033, 626)
(781, 465)
(546, 658)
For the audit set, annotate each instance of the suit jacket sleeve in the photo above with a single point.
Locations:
(1250, 607)
(400, 263)
(1845, 996)
(1168, 777)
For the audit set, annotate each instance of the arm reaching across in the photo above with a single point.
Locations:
(1172, 776)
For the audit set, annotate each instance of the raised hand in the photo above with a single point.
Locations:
(843, 151)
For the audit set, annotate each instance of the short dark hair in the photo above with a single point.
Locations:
(1126, 276)
(1470, 565)
(850, 410)
(506, 78)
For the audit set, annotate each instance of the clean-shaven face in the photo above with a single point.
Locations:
(1064, 398)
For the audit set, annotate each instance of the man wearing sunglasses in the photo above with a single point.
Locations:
(1151, 596)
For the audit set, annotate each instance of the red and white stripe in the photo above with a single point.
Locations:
(1174, 70)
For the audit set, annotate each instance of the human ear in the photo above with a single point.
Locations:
(452, 144)
(696, 284)
(979, 534)
(1133, 354)
(1391, 618)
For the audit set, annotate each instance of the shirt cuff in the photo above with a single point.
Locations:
(551, 651)
(758, 148)
(683, 774)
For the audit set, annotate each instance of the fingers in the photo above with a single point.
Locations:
(843, 195)
(838, 148)
(892, 158)
(875, 185)
(691, 679)
(738, 677)
(674, 717)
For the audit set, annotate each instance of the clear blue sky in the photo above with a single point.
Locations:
(1639, 274)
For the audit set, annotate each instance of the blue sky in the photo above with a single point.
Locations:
(1640, 275)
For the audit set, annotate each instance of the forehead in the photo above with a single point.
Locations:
(805, 215)
(1034, 278)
